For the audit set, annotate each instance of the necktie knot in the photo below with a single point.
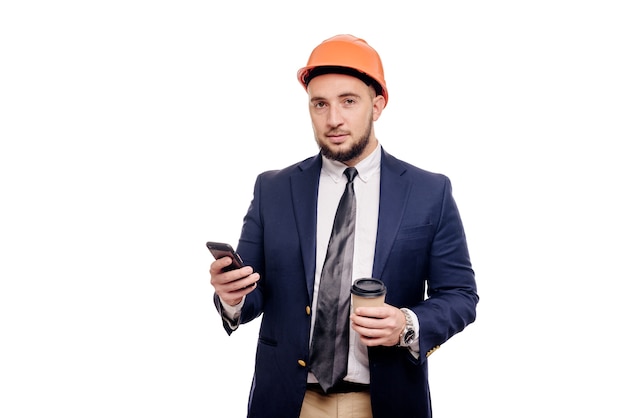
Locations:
(350, 173)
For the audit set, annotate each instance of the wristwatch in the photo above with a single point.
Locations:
(407, 336)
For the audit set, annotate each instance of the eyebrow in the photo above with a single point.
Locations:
(342, 95)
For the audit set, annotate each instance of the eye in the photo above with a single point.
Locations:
(319, 105)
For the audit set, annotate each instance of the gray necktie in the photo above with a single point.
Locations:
(329, 346)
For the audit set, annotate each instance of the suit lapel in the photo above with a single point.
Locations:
(394, 192)
(304, 189)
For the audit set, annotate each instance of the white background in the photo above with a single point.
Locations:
(132, 132)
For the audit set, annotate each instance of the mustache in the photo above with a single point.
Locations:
(335, 132)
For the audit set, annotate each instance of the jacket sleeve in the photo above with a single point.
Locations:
(452, 294)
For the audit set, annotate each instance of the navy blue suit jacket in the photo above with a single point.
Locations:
(420, 250)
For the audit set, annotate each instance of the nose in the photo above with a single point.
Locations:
(334, 116)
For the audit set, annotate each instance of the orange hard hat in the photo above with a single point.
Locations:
(346, 54)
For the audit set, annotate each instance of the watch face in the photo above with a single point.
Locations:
(409, 336)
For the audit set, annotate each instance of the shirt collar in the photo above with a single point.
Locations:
(366, 168)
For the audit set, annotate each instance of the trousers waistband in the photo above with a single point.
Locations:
(341, 387)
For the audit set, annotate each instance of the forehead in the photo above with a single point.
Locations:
(332, 85)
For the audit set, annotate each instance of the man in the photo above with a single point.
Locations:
(408, 234)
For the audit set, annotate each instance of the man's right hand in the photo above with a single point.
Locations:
(231, 286)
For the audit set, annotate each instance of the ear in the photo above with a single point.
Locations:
(378, 104)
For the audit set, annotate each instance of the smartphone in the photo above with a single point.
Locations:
(222, 249)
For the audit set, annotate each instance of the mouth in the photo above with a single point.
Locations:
(337, 137)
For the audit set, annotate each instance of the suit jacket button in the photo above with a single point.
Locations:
(302, 363)
(308, 310)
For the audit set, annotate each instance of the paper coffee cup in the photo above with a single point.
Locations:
(368, 292)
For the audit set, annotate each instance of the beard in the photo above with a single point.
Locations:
(353, 152)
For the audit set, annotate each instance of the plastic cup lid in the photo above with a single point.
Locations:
(368, 287)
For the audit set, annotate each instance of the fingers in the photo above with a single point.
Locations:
(221, 265)
(373, 311)
(378, 325)
(374, 337)
(220, 273)
(245, 284)
(232, 292)
(232, 285)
